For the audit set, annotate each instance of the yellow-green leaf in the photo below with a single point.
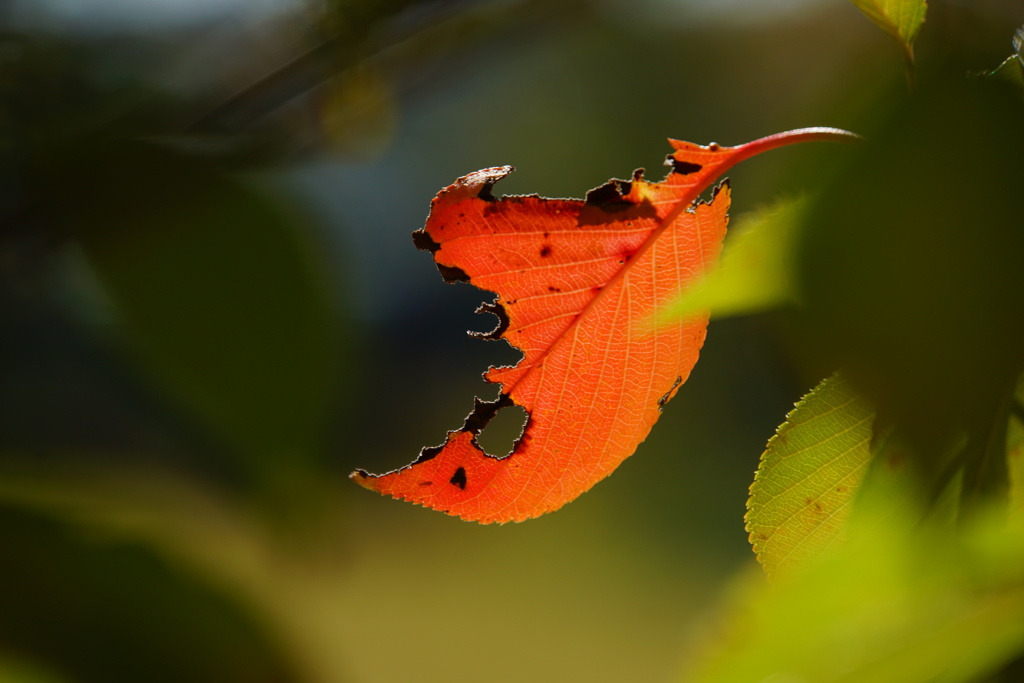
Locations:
(809, 475)
(901, 19)
(900, 602)
(755, 272)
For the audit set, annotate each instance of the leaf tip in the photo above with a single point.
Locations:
(364, 479)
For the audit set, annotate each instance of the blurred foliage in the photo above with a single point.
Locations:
(911, 279)
(90, 611)
(201, 336)
(898, 602)
(906, 265)
(755, 273)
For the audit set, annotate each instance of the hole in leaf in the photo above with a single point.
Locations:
(500, 434)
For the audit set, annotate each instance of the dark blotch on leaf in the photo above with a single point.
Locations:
(486, 192)
(451, 274)
(545, 251)
(424, 242)
(459, 478)
(684, 167)
(483, 413)
(610, 197)
(668, 394)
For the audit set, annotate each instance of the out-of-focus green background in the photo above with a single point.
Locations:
(211, 311)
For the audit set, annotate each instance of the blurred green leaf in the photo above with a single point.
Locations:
(809, 475)
(221, 295)
(899, 603)
(107, 610)
(755, 272)
(293, 579)
(901, 19)
(17, 670)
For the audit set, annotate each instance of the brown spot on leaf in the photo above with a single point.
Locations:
(668, 394)
(545, 251)
(452, 274)
(424, 242)
(459, 478)
(483, 413)
(611, 197)
(684, 167)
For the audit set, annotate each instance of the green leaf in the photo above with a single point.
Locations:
(898, 603)
(809, 475)
(232, 595)
(1012, 68)
(221, 295)
(102, 607)
(901, 19)
(755, 272)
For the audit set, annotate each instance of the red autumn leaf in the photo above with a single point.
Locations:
(578, 285)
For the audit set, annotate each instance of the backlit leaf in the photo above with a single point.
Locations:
(579, 285)
(809, 476)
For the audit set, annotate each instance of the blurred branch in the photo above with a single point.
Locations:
(412, 33)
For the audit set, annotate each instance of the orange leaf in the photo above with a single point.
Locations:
(578, 285)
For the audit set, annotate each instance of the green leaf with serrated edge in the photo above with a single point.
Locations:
(1012, 68)
(809, 475)
(901, 19)
(755, 272)
(901, 602)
